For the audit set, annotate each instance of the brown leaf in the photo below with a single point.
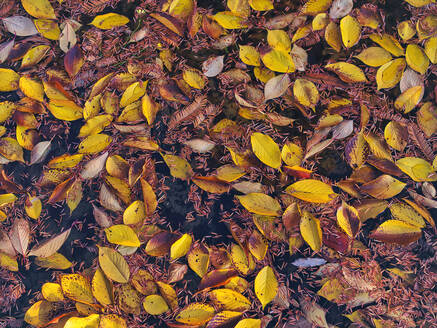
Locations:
(216, 278)
(176, 272)
(20, 235)
(73, 60)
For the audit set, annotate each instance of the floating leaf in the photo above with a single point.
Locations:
(266, 286)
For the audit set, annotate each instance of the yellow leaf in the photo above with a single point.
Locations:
(416, 168)
(261, 5)
(257, 245)
(239, 7)
(427, 118)
(155, 305)
(229, 20)
(56, 261)
(33, 207)
(416, 58)
(39, 8)
(133, 92)
(333, 36)
(406, 30)
(383, 187)
(311, 231)
(95, 125)
(92, 107)
(279, 40)
(112, 321)
(396, 135)
(181, 246)
(34, 55)
(389, 43)
(348, 219)
(389, 74)
(32, 88)
(311, 190)
(134, 213)
(9, 80)
(378, 146)
(94, 144)
(313, 7)
(239, 259)
(113, 265)
(292, 154)
(419, 3)
(320, 22)
(238, 284)
(52, 292)
(394, 231)
(249, 55)
(230, 300)
(278, 61)
(196, 314)
(225, 319)
(117, 166)
(100, 85)
(198, 260)
(260, 203)
(403, 212)
(169, 294)
(194, 78)
(8, 262)
(92, 321)
(6, 110)
(306, 93)
(301, 33)
(347, 72)
(150, 108)
(431, 49)
(229, 173)
(65, 161)
(374, 56)
(65, 110)
(102, 288)
(266, 286)
(77, 287)
(128, 299)
(108, 21)
(40, 313)
(121, 234)
(266, 149)
(263, 74)
(181, 9)
(48, 29)
(179, 167)
(249, 323)
(422, 211)
(409, 99)
(11, 150)
(350, 31)
(331, 289)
